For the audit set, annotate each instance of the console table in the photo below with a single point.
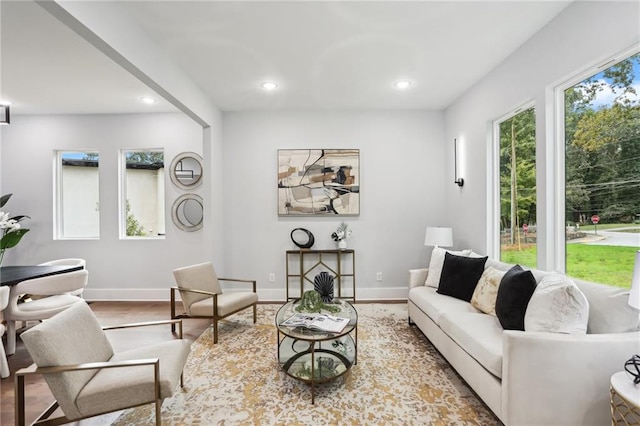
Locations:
(333, 261)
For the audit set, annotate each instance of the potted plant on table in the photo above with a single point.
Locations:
(341, 235)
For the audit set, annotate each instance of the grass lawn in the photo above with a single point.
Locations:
(611, 265)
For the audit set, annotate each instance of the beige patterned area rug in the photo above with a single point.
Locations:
(400, 379)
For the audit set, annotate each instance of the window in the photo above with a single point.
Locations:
(516, 134)
(602, 173)
(142, 194)
(78, 205)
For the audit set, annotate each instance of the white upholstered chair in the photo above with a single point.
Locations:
(87, 378)
(4, 300)
(72, 261)
(54, 287)
(202, 295)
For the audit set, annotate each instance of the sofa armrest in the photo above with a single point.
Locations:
(417, 277)
(552, 378)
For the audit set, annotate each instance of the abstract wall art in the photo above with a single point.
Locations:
(318, 182)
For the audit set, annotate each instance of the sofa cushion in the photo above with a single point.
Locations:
(437, 262)
(479, 335)
(435, 305)
(486, 292)
(460, 276)
(500, 266)
(557, 306)
(609, 310)
(516, 288)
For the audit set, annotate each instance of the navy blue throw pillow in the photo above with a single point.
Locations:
(460, 275)
(515, 291)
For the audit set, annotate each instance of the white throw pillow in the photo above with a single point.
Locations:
(436, 264)
(557, 306)
(486, 292)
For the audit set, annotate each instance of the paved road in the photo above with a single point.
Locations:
(611, 237)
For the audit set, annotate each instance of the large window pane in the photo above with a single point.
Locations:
(142, 204)
(602, 174)
(78, 206)
(517, 136)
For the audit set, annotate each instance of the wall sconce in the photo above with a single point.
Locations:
(458, 180)
(4, 113)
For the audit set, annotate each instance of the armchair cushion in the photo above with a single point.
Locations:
(198, 277)
(113, 388)
(228, 303)
(75, 337)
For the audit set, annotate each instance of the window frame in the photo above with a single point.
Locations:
(493, 229)
(122, 194)
(558, 242)
(58, 195)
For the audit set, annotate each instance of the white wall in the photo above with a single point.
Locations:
(401, 193)
(119, 269)
(583, 35)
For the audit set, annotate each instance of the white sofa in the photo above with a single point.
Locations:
(532, 378)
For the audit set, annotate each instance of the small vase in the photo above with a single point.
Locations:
(342, 244)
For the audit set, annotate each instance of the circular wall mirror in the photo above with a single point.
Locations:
(186, 170)
(187, 212)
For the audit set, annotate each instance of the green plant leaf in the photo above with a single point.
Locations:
(11, 239)
(4, 199)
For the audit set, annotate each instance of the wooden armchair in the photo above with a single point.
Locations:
(202, 296)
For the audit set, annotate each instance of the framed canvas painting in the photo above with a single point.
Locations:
(318, 182)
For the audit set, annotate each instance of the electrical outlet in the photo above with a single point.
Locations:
(378, 276)
(272, 277)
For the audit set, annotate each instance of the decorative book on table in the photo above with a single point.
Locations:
(323, 322)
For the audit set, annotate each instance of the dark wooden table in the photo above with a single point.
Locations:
(12, 275)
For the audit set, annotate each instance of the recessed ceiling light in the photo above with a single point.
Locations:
(147, 100)
(269, 85)
(403, 84)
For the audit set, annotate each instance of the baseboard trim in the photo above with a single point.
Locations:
(368, 295)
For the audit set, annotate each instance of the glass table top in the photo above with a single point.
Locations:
(344, 310)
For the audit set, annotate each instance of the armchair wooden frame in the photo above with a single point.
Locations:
(44, 419)
(214, 314)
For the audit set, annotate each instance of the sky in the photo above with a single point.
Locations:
(606, 96)
(73, 155)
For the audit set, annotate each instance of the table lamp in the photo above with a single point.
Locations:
(436, 236)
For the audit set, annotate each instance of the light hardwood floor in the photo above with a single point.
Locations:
(38, 397)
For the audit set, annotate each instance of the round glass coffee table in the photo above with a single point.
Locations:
(316, 356)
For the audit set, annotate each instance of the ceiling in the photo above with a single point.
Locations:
(324, 55)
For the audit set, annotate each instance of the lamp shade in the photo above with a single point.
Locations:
(438, 237)
(634, 294)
